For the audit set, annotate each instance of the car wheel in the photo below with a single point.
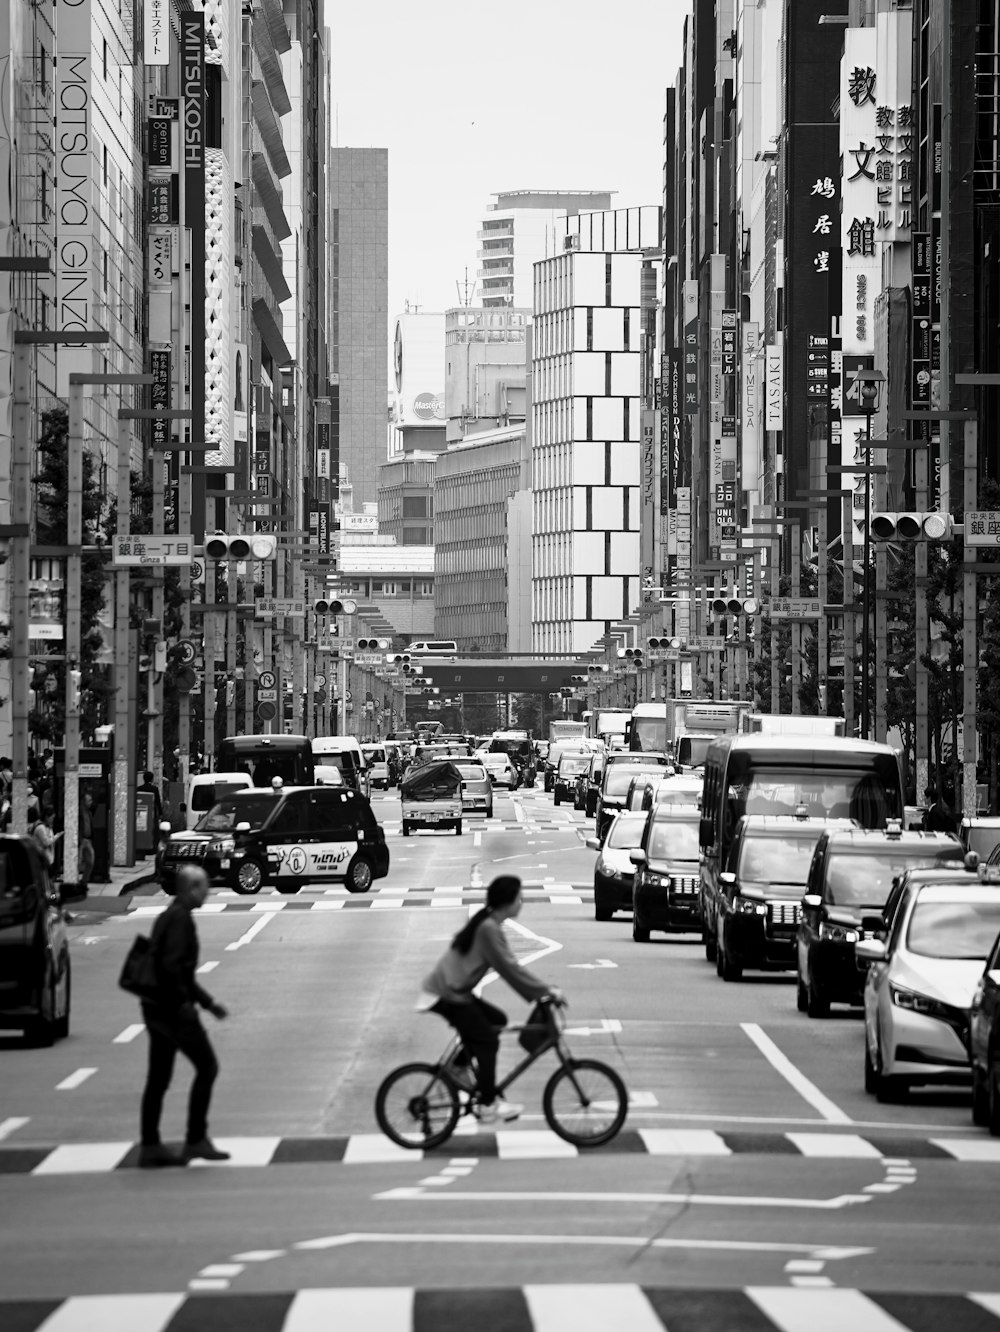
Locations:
(249, 878)
(801, 994)
(993, 1095)
(640, 934)
(289, 886)
(871, 1073)
(40, 1031)
(406, 829)
(359, 875)
(62, 1023)
(459, 830)
(980, 1099)
(817, 1004)
(888, 1089)
(603, 913)
(710, 946)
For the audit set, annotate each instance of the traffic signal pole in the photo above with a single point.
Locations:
(970, 647)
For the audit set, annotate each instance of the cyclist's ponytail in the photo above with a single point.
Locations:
(501, 892)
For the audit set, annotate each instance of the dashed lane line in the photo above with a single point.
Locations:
(76, 1079)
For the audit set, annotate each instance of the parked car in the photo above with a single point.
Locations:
(666, 882)
(35, 968)
(501, 770)
(477, 789)
(613, 870)
(921, 981)
(850, 879)
(571, 764)
(752, 919)
(984, 1045)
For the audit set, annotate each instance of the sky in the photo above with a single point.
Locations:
(471, 99)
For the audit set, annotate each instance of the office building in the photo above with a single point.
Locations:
(358, 251)
(417, 385)
(484, 368)
(520, 228)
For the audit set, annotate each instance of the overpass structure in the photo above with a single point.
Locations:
(490, 675)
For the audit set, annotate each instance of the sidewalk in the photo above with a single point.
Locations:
(122, 879)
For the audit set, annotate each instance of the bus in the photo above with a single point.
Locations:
(822, 777)
(265, 757)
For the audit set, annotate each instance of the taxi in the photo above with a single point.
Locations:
(288, 836)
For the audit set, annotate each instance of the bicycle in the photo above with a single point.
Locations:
(585, 1102)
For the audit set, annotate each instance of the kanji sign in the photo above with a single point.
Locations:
(267, 606)
(795, 608)
(156, 549)
(982, 528)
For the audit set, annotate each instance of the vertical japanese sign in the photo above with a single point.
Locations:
(896, 122)
(750, 422)
(156, 32)
(690, 350)
(76, 263)
(867, 157)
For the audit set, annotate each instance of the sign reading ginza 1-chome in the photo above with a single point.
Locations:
(153, 549)
(982, 528)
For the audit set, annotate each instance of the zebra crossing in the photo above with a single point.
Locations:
(383, 897)
(530, 1308)
(518, 1144)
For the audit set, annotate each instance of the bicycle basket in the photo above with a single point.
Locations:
(536, 1030)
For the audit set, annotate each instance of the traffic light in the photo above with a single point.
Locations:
(597, 670)
(372, 644)
(663, 644)
(565, 693)
(401, 660)
(631, 656)
(578, 679)
(912, 527)
(241, 546)
(327, 606)
(734, 606)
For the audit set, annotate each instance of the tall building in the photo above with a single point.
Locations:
(484, 368)
(520, 228)
(359, 254)
(586, 432)
(417, 387)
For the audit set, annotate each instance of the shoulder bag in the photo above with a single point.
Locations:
(139, 973)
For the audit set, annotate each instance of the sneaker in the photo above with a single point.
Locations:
(205, 1150)
(499, 1109)
(154, 1157)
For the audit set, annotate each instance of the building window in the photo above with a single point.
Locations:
(104, 56)
(104, 165)
(383, 589)
(414, 506)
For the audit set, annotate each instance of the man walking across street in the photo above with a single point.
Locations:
(173, 1024)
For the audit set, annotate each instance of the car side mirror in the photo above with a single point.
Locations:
(812, 901)
(592, 844)
(637, 856)
(870, 950)
(993, 977)
(243, 827)
(727, 879)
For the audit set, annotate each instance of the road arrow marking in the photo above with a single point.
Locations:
(641, 1242)
(609, 1026)
(599, 965)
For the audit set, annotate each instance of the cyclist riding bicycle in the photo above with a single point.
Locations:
(476, 948)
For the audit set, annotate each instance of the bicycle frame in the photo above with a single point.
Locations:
(553, 1041)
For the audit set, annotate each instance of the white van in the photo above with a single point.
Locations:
(206, 789)
(325, 746)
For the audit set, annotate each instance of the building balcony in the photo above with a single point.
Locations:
(503, 232)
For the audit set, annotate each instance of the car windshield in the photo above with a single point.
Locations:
(224, 816)
(677, 795)
(827, 793)
(866, 879)
(572, 764)
(619, 778)
(209, 794)
(627, 832)
(954, 930)
(670, 839)
(983, 840)
(780, 858)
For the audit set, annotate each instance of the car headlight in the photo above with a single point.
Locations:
(921, 1003)
(653, 880)
(749, 906)
(841, 934)
(608, 871)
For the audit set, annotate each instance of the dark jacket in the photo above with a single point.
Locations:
(175, 947)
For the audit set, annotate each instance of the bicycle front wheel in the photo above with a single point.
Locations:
(585, 1102)
(417, 1107)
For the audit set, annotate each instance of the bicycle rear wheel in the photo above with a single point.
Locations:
(416, 1106)
(585, 1102)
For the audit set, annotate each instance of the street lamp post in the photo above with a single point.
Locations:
(867, 388)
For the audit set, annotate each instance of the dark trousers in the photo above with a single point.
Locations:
(479, 1024)
(169, 1033)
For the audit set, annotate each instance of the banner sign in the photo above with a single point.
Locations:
(172, 549)
(156, 32)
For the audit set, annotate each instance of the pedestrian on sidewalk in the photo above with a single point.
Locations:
(173, 1024)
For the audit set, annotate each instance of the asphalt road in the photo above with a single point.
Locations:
(754, 1186)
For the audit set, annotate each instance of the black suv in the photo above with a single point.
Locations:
(588, 785)
(665, 887)
(288, 837)
(753, 920)
(34, 945)
(850, 879)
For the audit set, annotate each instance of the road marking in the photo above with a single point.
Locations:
(833, 1144)
(251, 933)
(599, 965)
(591, 1308)
(642, 1100)
(83, 1158)
(115, 1313)
(531, 1144)
(76, 1079)
(373, 1148)
(783, 1065)
(518, 811)
(683, 1142)
(9, 1126)
(641, 1242)
(975, 1149)
(206, 967)
(388, 1309)
(222, 1270)
(831, 1312)
(477, 837)
(242, 1152)
(259, 1255)
(129, 1034)
(837, 1204)
(609, 1026)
